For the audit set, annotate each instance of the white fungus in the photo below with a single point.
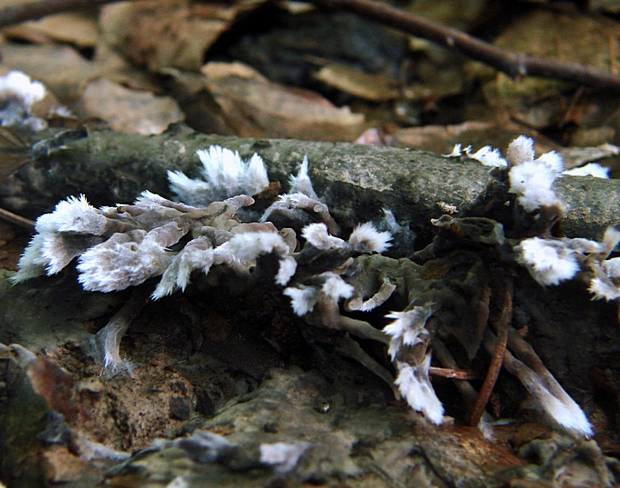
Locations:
(549, 262)
(224, 174)
(283, 456)
(317, 235)
(406, 327)
(122, 246)
(487, 156)
(415, 386)
(365, 238)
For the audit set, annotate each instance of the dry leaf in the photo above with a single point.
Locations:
(377, 87)
(538, 102)
(442, 138)
(455, 13)
(65, 72)
(72, 27)
(166, 33)
(201, 111)
(574, 157)
(255, 107)
(59, 68)
(130, 111)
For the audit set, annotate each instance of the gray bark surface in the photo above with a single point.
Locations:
(356, 181)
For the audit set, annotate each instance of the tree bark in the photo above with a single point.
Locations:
(357, 181)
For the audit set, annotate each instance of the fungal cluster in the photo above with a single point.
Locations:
(450, 304)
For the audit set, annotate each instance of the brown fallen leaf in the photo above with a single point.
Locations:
(566, 36)
(442, 138)
(77, 28)
(255, 107)
(55, 385)
(167, 33)
(130, 111)
(65, 72)
(13, 152)
(376, 87)
(60, 68)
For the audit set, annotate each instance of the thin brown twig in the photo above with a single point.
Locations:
(452, 373)
(16, 219)
(441, 352)
(512, 63)
(16, 14)
(496, 361)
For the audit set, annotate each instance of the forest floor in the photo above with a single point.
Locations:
(219, 375)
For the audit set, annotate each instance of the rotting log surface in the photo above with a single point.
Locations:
(357, 181)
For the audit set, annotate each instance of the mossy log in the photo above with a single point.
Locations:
(357, 181)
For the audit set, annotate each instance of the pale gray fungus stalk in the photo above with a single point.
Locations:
(327, 275)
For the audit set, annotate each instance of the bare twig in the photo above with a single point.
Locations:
(453, 374)
(16, 14)
(443, 355)
(496, 361)
(16, 219)
(512, 63)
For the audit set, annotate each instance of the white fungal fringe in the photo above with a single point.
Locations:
(73, 215)
(56, 245)
(365, 238)
(549, 262)
(532, 179)
(16, 84)
(301, 183)
(415, 386)
(406, 327)
(224, 174)
(590, 169)
(197, 254)
(487, 156)
(123, 260)
(336, 288)
(303, 298)
(553, 399)
(317, 235)
(520, 150)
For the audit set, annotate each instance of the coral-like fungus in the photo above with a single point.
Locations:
(451, 304)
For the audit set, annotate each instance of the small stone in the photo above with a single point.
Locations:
(178, 387)
(179, 408)
(204, 404)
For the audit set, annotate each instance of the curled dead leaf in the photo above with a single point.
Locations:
(167, 33)
(130, 111)
(255, 107)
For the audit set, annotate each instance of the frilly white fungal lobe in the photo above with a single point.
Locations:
(224, 175)
(415, 386)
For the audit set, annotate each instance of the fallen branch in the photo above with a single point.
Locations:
(357, 181)
(512, 63)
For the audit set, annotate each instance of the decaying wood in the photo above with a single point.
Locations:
(357, 181)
